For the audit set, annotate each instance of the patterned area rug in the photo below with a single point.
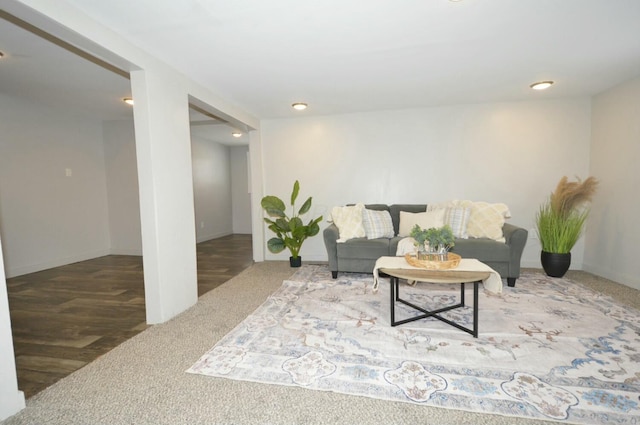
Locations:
(548, 349)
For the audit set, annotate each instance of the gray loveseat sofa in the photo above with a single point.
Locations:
(359, 255)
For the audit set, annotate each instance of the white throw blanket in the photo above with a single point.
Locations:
(406, 246)
(492, 284)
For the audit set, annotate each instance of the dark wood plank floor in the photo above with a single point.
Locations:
(66, 317)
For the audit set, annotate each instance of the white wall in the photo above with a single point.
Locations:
(46, 217)
(11, 400)
(240, 195)
(504, 152)
(122, 187)
(215, 174)
(215, 171)
(211, 188)
(613, 232)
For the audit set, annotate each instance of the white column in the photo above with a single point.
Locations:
(163, 148)
(257, 190)
(11, 400)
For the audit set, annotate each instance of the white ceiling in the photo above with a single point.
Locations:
(41, 71)
(38, 69)
(343, 56)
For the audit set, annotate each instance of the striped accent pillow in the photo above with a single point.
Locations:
(377, 224)
(458, 219)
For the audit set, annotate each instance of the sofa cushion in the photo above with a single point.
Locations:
(348, 220)
(395, 209)
(426, 220)
(484, 249)
(377, 224)
(364, 248)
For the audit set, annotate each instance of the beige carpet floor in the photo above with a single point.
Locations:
(143, 381)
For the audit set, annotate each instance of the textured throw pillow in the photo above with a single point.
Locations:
(486, 220)
(426, 220)
(349, 221)
(377, 224)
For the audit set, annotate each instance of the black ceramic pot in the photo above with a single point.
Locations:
(295, 262)
(554, 264)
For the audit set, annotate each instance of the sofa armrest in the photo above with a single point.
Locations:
(331, 236)
(516, 238)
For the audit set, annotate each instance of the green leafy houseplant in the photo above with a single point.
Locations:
(560, 220)
(290, 231)
(438, 239)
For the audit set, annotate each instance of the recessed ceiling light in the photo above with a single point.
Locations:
(128, 100)
(299, 106)
(541, 85)
(236, 134)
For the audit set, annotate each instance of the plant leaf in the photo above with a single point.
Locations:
(305, 207)
(294, 194)
(273, 205)
(295, 223)
(276, 245)
(283, 224)
(313, 229)
(299, 234)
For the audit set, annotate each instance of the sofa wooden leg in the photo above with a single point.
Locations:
(334, 274)
(511, 281)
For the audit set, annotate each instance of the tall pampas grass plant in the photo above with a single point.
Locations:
(560, 220)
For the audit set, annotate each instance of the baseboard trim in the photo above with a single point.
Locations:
(205, 238)
(126, 251)
(32, 268)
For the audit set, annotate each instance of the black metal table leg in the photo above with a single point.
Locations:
(475, 308)
(394, 297)
(392, 290)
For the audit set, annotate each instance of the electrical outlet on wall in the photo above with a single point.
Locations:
(68, 172)
(202, 224)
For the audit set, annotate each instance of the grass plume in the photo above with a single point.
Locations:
(569, 196)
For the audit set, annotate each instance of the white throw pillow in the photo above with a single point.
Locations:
(349, 221)
(377, 224)
(486, 220)
(426, 220)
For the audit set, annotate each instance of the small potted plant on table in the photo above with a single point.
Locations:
(434, 243)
